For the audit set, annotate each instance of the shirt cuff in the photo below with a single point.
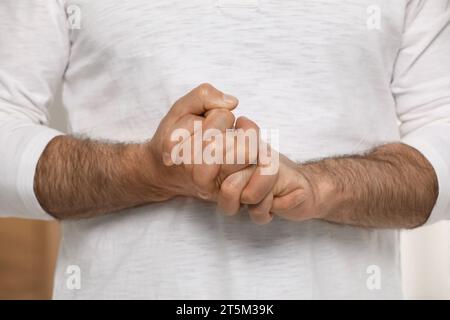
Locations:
(22, 146)
(27, 171)
(433, 142)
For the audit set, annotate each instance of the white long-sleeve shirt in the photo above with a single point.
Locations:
(334, 77)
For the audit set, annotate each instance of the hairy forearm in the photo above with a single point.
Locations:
(79, 178)
(393, 186)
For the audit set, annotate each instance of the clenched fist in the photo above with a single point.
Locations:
(209, 110)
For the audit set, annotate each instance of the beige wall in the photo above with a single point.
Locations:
(27, 258)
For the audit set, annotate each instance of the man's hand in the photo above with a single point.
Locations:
(265, 195)
(393, 186)
(77, 178)
(212, 110)
(202, 180)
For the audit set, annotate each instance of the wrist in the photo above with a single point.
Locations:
(323, 189)
(148, 172)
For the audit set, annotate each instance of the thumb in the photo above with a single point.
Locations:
(202, 99)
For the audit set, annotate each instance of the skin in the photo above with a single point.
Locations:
(392, 186)
(80, 178)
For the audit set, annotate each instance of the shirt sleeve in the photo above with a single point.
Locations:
(421, 88)
(34, 50)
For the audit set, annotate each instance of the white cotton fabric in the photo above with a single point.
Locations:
(319, 71)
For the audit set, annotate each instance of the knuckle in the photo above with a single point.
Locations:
(204, 90)
(227, 115)
(255, 127)
(222, 115)
(227, 190)
(253, 197)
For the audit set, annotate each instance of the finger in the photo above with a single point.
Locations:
(202, 99)
(204, 174)
(260, 184)
(264, 179)
(193, 126)
(260, 213)
(241, 148)
(258, 187)
(288, 202)
(247, 141)
(229, 197)
(269, 159)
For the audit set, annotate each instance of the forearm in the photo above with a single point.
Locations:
(393, 186)
(78, 178)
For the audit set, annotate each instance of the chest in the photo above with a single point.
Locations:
(260, 29)
(300, 58)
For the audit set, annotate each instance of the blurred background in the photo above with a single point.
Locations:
(27, 258)
(28, 251)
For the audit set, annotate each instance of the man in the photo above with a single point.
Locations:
(334, 77)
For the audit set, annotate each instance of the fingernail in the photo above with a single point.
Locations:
(204, 195)
(167, 159)
(229, 99)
